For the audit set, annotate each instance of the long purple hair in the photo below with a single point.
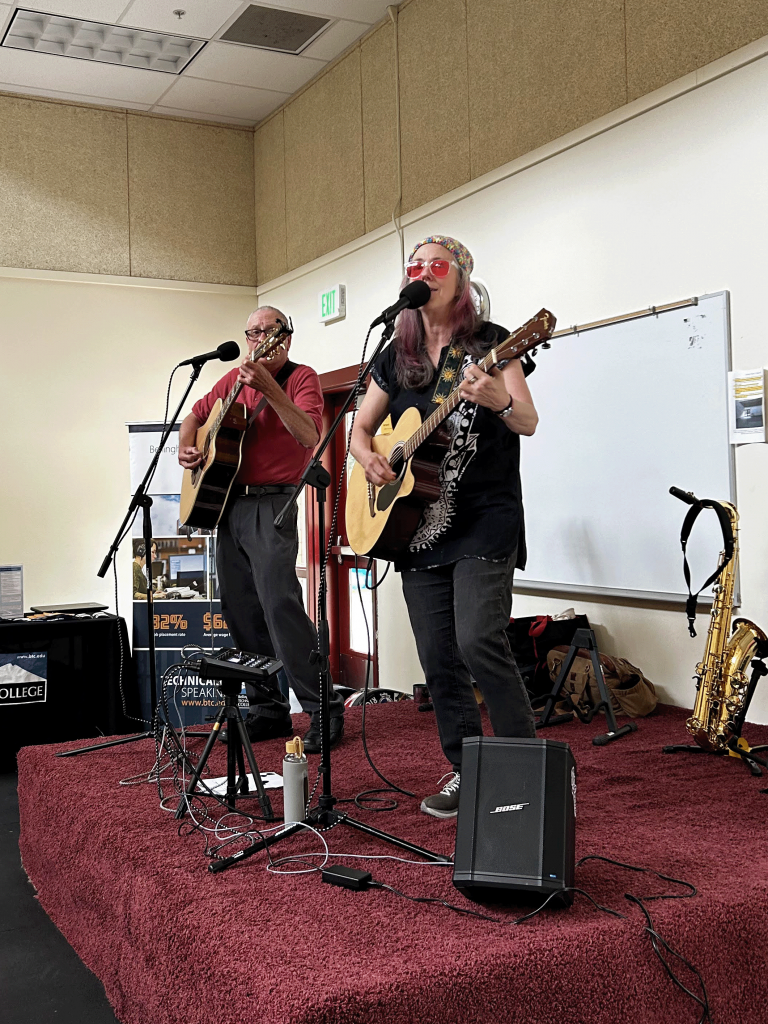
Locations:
(413, 367)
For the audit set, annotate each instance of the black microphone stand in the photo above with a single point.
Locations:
(324, 814)
(144, 501)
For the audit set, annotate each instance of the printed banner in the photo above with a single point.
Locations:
(178, 623)
(191, 700)
(23, 678)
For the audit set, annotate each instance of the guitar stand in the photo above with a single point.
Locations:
(735, 745)
(237, 742)
(583, 638)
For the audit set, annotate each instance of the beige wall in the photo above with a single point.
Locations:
(481, 83)
(79, 358)
(97, 191)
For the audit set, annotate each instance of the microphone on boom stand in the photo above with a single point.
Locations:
(227, 351)
(413, 296)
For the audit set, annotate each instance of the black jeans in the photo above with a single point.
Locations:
(458, 613)
(261, 597)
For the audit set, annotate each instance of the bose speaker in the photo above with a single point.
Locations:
(515, 833)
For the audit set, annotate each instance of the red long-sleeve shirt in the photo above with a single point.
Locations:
(270, 454)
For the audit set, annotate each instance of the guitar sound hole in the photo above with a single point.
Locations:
(389, 492)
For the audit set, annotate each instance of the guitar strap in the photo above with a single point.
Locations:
(447, 378)
(281, 377)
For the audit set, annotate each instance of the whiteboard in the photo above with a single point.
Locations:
(626, 411)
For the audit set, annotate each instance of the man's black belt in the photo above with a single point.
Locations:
(259, 490)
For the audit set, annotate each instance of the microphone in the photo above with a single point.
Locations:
(226, 351)
(413, 296)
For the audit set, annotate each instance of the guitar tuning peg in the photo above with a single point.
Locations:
(546, 344)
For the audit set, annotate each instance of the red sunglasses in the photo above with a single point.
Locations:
(438, 268)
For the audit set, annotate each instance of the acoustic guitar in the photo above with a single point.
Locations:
(205, 489)
(382, 520)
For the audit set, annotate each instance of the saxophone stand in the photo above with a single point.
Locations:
(324, 816)
(583, 638)
(736, 745)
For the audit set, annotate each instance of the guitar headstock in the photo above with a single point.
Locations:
(535, 332)
(273, 340)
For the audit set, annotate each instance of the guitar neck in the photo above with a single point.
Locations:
(444, 410)
(237, 387)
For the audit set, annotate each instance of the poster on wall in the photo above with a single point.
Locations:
(746, 406)
(186, 610)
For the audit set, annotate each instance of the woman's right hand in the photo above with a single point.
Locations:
(377, 469)
(189, 456)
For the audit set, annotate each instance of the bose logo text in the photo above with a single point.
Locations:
(509, 807)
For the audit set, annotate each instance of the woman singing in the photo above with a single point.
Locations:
(457, 572)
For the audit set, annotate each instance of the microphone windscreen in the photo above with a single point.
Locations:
(228, 350)
(417, 293)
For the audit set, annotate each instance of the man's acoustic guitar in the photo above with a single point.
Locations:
(205, 489)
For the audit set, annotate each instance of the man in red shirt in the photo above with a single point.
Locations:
(261, 596)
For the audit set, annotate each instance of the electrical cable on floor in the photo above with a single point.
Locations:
(658, 942)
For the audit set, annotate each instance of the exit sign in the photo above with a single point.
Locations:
(333, 304)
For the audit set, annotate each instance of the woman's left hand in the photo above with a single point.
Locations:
(487, 389)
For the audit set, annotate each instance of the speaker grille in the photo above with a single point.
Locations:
(516, 826)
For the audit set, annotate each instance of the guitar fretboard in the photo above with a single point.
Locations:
(431, 423)
(262, 350)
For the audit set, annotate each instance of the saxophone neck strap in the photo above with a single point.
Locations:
(728, 548)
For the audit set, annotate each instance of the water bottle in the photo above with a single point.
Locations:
(295, 781)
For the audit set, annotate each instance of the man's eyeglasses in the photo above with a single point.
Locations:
(256, 332)
(438, 268)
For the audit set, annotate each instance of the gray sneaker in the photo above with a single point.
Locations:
(444, 804)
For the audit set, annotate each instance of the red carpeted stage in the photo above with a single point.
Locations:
(174, 944)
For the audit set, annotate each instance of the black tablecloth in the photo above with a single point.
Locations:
(83, 698)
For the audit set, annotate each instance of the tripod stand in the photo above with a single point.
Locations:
(324, 815)
(237, 742)
(142, 500)
(584, 638)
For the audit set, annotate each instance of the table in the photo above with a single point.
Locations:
(80, 693)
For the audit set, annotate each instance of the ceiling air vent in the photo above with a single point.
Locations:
(272, 29)
(107, 44)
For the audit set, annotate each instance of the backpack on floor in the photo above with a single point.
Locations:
(631, 693)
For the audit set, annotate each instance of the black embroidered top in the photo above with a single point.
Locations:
(479, 513)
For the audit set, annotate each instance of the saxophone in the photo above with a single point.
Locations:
(721, 675)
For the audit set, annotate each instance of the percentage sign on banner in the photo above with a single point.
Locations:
(179, 621)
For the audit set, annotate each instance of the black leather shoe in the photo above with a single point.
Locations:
(259, 727)
(312, 738)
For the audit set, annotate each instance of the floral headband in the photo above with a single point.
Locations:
(461, 252)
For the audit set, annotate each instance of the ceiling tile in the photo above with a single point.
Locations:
(367, 11)
(335, 39)
(247, 65)
(105, 11)
(193, 94)
(202, 18)
(24, 68)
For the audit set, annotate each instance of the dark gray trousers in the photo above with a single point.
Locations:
(261, 597)
(458, 613)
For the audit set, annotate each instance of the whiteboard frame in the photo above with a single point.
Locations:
(523, 585)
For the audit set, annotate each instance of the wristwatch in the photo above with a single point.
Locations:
(503, 413)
